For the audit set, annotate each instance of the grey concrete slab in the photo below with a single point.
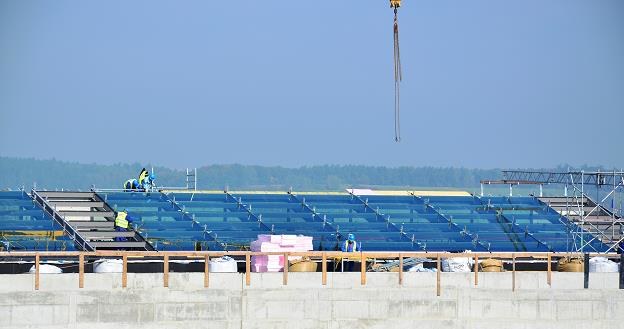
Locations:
(305, 303)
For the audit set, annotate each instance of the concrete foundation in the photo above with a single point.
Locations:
(306, 303)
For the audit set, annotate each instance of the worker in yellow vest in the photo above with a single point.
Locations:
(146, 180)
(143, 175)
(123, 224)
(350, 245)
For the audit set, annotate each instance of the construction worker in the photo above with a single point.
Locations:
(148, 182)
(143, 175)
(123, 224)
(350, 245)
(131, 184)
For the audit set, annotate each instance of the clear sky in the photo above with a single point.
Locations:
(487, 83)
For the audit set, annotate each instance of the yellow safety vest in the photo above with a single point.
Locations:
(142, 176)
(120, 220)
(346, 245)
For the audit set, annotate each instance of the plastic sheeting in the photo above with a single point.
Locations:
(602, 264)
(108, 266)
(46, 269)
(223, 264)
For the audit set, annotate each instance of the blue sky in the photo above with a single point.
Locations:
(487, 83)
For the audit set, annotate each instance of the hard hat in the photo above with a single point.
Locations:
(152, 176)
(351, 237)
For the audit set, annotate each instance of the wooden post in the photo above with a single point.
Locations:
(513, 273)
(400, 269)
(476, 269)
(206, 271)
(81, 271)
(362, 269)
(324, 269)
(124, 271)
(285, 280)
(438, 276)
(247, 269)
(166, 270)
(549, 273)
(37, 271)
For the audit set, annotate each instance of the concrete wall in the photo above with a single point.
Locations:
(305, 303)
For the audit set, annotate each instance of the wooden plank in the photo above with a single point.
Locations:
(206, 271)
(324, 269)
(67, 195)
(78, 213)
(476, 269)
(91, 204)
(400, 269)
(362, 268)
(106, 234)
(513, 273)
(81, 271)
(248, 269)
(439, 267)
(37, 271)
(285, 280)
(124, 271)
(166, 270)
(549, 273)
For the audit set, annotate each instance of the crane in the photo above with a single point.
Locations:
(398, 76)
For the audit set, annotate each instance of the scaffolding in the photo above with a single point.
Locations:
(595, 216)
(191, 179)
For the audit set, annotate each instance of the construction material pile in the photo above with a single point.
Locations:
(457, 264)
(277, 243)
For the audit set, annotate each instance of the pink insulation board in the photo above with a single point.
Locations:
(277, 243)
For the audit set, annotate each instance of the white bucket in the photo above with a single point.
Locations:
(108, 266)
(46, 269)
(223, 264)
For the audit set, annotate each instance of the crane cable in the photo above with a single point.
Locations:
(398, 76)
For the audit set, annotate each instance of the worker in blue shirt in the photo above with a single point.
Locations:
(148, 182)
(131, 184)
(350, 245)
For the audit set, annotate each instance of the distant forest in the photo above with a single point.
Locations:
(54, 174)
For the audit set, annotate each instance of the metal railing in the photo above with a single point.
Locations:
(68, 229)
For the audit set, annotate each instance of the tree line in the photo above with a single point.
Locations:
(54, 174)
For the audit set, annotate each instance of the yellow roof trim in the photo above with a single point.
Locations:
(372, 192)
(440, 193)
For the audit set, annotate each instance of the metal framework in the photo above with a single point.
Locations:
(595, 218)
(230, 220)
(191, 179)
